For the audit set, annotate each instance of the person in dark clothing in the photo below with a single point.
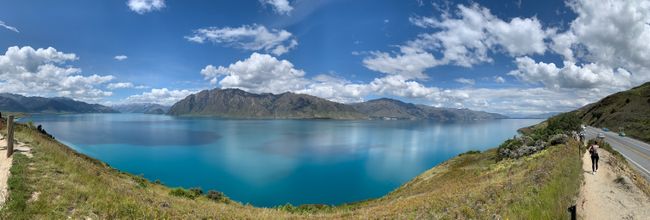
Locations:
(593, 150)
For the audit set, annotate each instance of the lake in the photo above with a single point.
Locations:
(275, 162)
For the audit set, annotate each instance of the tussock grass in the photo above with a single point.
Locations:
(470, 186)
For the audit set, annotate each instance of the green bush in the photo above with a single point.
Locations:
(215, 195)
(305, 208)
(470, 152)
(287, 207)
(564, 122)
(511, 144)
(180, 192)
(140, 180)
(196, 191)
(560, 124)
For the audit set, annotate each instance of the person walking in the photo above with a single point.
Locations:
(593, 150)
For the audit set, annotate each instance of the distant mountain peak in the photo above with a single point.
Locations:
(236, 103)
(147, 108)
(385, 100)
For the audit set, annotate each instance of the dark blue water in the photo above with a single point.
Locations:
(274, 162)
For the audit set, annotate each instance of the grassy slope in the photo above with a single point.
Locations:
(629, 110)
(542, 185)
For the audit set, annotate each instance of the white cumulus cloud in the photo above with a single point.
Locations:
(144, 6)
(463, 38)
(282, 7)
(119, 85)
(410, 63)
(609, 33)
(120, 57)
(161, 96)
(44, 72)
(248, 37)
(573, 76)
(605, 48)
(258, 73)
(465, 81)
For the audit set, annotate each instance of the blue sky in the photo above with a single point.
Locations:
(515, 62)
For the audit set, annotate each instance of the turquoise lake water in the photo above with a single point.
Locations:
(274, 162)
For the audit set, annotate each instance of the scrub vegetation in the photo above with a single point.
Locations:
(473, 185)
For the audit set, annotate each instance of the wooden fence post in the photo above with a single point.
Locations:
(10, 135)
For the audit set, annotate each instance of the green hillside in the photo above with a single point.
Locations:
(627, 111)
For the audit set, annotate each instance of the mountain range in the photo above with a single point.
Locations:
(385, 108)
(146, 108)
(236, 103)
(19, 103)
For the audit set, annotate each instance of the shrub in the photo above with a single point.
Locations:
(180, 192)
(311, 208)
(470, 152)
(558, 139)
(620, 180)
(215, 195)
(597, 114)
(564, 122)
(511, 144)
(560, 124)
(508, 148)
(197, 191)
(140, 180)
(287, 207)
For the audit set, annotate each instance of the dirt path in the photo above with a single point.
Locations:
(609, 194)
(5, 164)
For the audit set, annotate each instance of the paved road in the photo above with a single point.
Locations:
(636, 152)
